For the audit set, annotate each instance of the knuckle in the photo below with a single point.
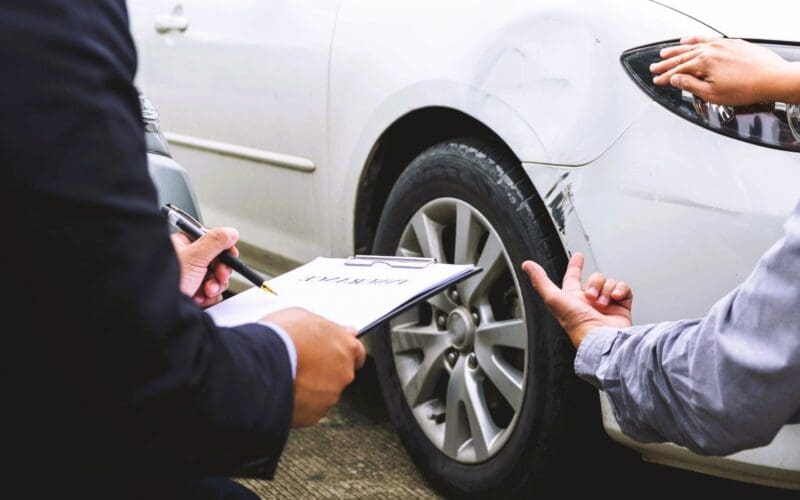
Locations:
(217, 235)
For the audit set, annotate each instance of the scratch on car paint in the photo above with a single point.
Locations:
(675, 200)
(556, 184)
(559, 201)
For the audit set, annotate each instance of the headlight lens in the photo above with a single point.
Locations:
(772, 124)
(156, 142)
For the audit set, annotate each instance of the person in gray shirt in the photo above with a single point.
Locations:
(730, 380)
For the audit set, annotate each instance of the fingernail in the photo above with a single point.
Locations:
(603, 300)
(592, 291)
(652, 66)
(214, 286)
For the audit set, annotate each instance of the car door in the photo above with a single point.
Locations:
(241, 86)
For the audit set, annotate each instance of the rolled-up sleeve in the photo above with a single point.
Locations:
(718, 384)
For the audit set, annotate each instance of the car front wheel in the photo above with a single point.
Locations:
(476, 379)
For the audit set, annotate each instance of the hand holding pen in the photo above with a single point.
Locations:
(196, 257)
(203, 277)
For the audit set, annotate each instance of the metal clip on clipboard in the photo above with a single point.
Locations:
(391, 261)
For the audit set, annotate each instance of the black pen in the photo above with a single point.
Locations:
(192, 228)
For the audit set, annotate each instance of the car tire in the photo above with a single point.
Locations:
(488, 179)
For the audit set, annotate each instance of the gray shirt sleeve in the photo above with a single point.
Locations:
(718, 384)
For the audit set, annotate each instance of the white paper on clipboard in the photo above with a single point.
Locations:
(360, 291)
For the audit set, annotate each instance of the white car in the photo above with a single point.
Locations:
(488, 132)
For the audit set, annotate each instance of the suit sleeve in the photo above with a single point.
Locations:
(117, 363)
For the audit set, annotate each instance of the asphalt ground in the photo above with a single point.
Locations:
(355, 453)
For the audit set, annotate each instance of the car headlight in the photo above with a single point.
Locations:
(772, 124)
(154, 137)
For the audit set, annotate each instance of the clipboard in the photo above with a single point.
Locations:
(363, 291)
(391, 261)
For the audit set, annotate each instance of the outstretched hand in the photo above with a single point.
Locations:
(601, 302)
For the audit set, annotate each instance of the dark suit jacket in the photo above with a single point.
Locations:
(108, 370)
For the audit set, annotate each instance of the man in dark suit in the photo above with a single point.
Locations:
(114, 381)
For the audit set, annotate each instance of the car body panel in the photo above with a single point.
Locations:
(531, 76)
(762, 20)
(245, 96)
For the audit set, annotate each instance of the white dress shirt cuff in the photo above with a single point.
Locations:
(287, 340)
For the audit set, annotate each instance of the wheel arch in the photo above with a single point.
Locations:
(398, 145)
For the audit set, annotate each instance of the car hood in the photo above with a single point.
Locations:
(758, 20)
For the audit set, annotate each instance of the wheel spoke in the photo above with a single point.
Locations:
(441, 302)
(429, 236)
(410, 337)
(456, 429)
(508, 333)
(481, 425)
(468, 233)
(405, 252)
(506, 378)
(492, 262)
(433, 345)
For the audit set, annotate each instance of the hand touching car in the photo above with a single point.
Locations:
(601, 302)
(728, 71)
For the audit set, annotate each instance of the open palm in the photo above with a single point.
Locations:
(579, 309)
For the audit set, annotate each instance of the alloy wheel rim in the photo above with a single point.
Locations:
(461, 357)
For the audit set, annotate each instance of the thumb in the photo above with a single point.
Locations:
(211, 244)
(692, 85)
(549, 291)
(554, 298)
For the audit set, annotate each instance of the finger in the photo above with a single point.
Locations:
(693, 85)
(672, 64)
(572, 278)
(212, 287)
(552, 295)
(692, 67)
(594, 284)
(694, 39)
(222, 272)
(670, 52)
(622, 292)
(179, 240)
(605, 293)
(360, 354)
(211, 244)
(209, 301)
